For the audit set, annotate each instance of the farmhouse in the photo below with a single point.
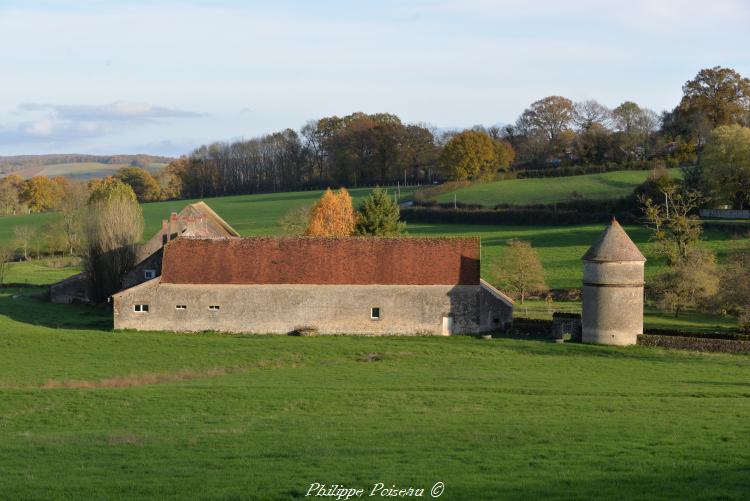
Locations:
(195, 220)
(358, 285)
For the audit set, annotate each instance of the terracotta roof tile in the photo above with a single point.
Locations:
(356, 260)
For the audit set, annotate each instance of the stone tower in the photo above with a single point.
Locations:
(613, 289)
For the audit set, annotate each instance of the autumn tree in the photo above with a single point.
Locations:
(676, 228)
(10, 187)
(113, 227)
(691, 283)
(519, 271)
(469, 155)
(332, 216)
(379, 216)
(725, 166)
(144, 185)
(551, 115)
(721, 95)
(40, 194)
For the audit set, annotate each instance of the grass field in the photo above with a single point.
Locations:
(560, 247)
(550, 190)
(652, 317)
(88, 414)
(79, 170)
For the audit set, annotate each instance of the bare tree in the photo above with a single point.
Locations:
(25, 236)
(113, 229)
(676, 229)
(295, 221)
(520, 271)
(72, 210)
(693, 282)
(589, 113)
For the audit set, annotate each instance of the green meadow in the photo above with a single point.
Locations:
(551, 190)
(560, 247)
(90, 414)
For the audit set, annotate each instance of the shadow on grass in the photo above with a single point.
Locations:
(32, 307)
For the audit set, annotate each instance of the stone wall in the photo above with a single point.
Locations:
(332, 309)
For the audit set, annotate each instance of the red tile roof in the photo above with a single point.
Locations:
(306, 260)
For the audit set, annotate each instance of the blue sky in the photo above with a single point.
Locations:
(165, 76)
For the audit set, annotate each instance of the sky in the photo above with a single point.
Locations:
(163, 77)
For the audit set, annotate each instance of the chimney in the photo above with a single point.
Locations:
(173, 225)
(164, 232)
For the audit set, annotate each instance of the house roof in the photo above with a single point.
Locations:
(325, 261)
(613, 245)
(196, 220)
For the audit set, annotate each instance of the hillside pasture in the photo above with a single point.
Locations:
(559, 247)
(603, 186)
(82, 171)
(90, 414)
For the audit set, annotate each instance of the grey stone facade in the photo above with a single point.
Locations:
(331, 309)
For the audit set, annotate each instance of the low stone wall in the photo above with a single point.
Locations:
(725, 213)
(695, 343)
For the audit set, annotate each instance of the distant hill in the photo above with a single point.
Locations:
(76, 166)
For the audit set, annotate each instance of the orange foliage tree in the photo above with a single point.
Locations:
(332, 216)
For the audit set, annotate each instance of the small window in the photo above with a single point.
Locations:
(180, 307)
(149, 274)
(213, 307)
(140, 308)
(375, 313)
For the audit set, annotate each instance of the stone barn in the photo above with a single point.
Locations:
(358, 285)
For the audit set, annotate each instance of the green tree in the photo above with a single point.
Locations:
(109, 189)
(725, 166)
(379, 216)
(719, 95)
(145, 187)
(469, 155)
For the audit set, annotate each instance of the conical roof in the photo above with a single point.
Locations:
(613, 245)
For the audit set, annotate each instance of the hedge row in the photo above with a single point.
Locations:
(578, 170)
(732, 336)
(695, 343)
(514, 216)
(533, 326)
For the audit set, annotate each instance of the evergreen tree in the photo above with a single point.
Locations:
(379, 216)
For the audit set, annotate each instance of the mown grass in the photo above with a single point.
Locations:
(41, 271)
(654, 318)
(262, 417)
(551, 190)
